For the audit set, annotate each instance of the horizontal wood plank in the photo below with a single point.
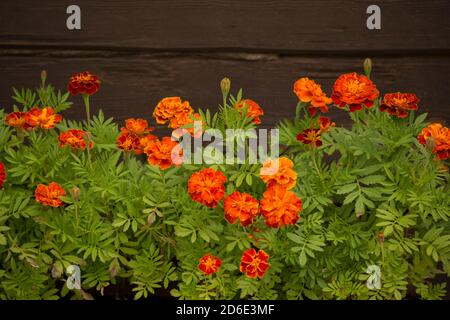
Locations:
(134, 83)
(284, 26)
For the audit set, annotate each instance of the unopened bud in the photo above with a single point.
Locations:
(381, 236)
(75, 193)
(43, 76)
(151, 218)
(368, 67)
(56, 271)
(225, 86)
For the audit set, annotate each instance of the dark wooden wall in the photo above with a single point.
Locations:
(146, 50)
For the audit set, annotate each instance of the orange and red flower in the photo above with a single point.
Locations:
(310, 92)
(253, 109)
(209, 264)
(84, 83)
(240, 206)
(137, 126)
(279, 171)
(254, 264)
(280, 207)
(187, 119)
(171, 107)
(354, 90)
(207, 187)
(438, 137)
(50, 195)
(128, 142)
(17, 119)
(399, 104)
(2, 174)
(163, 153)
(74, 138)
(312, 135)
(45, 118)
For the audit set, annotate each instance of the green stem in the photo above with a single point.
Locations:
(315, 163)
(77, 215)
(87, 107)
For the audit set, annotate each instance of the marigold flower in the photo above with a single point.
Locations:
(279, 171)
(163, 153)
(207, 187)
(137, 126)
(310, 92)
(17, 120)
(128, 141)
(254, 264)
(45, 118)
(74, 138)
(399, 104)
(253, 110)
(240, 206)
(354, 90)
(280, 206)
(144, 141)
(209, 264)
(310, 136)
(439, 137)
(2, 174)
(325, 124)
(49, 195)
(171, 107)
(85, 83)
(184, 120)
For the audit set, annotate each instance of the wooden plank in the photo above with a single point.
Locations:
(264, 25)
(134, 83)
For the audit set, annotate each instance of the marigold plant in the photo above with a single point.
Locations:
(142, 215)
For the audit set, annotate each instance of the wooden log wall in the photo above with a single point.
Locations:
(144, 50)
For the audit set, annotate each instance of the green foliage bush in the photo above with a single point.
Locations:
(372, 195)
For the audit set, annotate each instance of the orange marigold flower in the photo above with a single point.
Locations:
(240, 206)
(74, 138)
(163, 153)
(17, 120)
(253, 109)
(128, 141)
(209, 264)
(280, 206)
(184, 120)
(85, 83)
(144, 141)
(354, 90)
(171, 107)
(207, 187)
(254, 264)
(279, 171)
(439, 138)
(2, 174)
(137, 126)
(45, 118)
(310, 92)
(399, 104)
(49, 195)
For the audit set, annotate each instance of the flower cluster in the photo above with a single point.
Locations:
(310, 92)
(45, 118)
(439, 138)
(135, 136)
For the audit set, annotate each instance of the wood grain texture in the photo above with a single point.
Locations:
(134, 83)
(287, 26)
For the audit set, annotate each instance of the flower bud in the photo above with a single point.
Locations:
(225, 85)
(43, 76)
(75, 192)
(381, 236)
(367, 67)
(151, 218)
